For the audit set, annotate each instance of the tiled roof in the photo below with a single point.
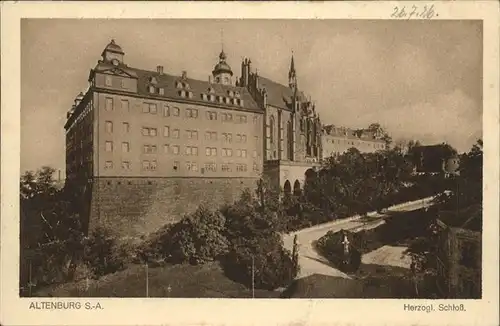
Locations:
(278, 95)
(196, 87)
(349, 133)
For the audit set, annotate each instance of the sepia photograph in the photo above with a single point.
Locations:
(243, 159)
(296, 163)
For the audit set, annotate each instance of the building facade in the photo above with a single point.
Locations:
(144, 147)
(337, 140)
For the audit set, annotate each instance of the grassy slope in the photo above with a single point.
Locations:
(186, 281)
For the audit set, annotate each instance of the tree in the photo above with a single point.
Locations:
(380, 132)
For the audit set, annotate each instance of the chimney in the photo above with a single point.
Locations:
(159, 69)
(59, 175)
(184, 74)
(244, 75)
(209, 79)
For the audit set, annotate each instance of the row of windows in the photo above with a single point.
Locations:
(151, 108)
(348, 142)
(175, 149)
(152, 165)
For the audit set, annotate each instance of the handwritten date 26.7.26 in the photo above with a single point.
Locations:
(415, 12)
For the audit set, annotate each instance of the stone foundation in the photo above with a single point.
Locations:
(137, 206)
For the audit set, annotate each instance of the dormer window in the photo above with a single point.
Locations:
(212, 98)
(241, 102)
(151, 89)
(153, 80)
(179, 85)
(228, 100)
(211, 90)
(204, 96)
(185, 85)
(221, 99)
(190, 94)
(230, 93)
(161, 91)
(237, 94)
(182, 93)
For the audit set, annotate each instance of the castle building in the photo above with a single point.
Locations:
(144, 147)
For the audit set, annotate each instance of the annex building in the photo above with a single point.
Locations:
(144, 147)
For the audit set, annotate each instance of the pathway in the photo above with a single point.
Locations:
(312, 263)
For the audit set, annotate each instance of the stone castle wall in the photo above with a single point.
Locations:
(136, 206)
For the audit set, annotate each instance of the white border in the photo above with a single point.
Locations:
(14, 311)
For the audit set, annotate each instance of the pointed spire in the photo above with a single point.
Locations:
(291, 73)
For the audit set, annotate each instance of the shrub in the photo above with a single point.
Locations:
(103, 253)
(273, 265)
(197, 238)
(330, 246)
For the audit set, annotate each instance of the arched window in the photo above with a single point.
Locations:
(296, 188)
(287, 188)
(271, 129)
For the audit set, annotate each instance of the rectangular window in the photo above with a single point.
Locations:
(255, 167)
(243, 119)
(166, 131)
(123, 83)
(166, 148)
(226, 167)
(108, 81)
(191, 113)
(241, 167)
(191, 134)
(175, 133)
(254, 154)
(211, 135)
(149, 132)
(150, 149)
(210, 167)
(125, 105)
(243, 153)
(125, 147)
(126, 127)
(152, 166)
(145, 165)
(211, 115)
(145, 109)
(227, 152)
(109, 104)
(152, 108)
(176, 112)
(109, 146)
(125, 165)
(175, 149)
(166, 111)
(191, 166)
(191, 150)
(108, 165)
(109, 127)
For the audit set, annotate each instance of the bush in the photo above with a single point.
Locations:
(197, 238)
(330, 246)
(273, 265)
(103, 254)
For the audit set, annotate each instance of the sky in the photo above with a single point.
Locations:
(420, 80)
